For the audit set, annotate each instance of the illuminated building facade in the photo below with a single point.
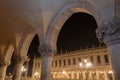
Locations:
(66, 65)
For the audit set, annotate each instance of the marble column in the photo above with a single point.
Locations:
(106, 75)
(97, 75)
(90, 75)
(109, 33)
(3, 67)
(46, 53)
(84, 75)
(18, 63)
(77, 73)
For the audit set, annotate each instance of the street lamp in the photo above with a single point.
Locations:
(85, 64)
(23, 69)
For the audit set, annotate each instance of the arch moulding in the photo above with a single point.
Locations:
(64, 14)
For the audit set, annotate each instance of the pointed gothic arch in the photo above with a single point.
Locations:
(63, 16)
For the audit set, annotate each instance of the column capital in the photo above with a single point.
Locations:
(18, 58)
(3, 62)
(45, 50)
(109, 31)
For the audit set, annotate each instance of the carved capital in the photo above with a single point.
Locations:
(3, 62)
(109, 31)
(45, 50)
(18, 58)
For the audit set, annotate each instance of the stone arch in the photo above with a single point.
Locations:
(63, 16)
(25, 43)
(9, 53)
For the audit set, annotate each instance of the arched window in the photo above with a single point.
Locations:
(106, 58)
(98, 59)
(55, 63)
(91, 59)
(60, 62)
(68, 61)
(74, 62)
(64, 62)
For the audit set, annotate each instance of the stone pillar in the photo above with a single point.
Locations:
(97, 75)
(109, 33)
(90, 76)
(77, 73)
(84, 75)
(46, 53)
(58, 63)
(106, 75)
(18, 63)
(3, 67)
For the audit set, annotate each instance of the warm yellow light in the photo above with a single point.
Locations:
(80, 64)
(36, 73)
(110, 72)
(64, 72)
(85, 60)
(88, 64)
(23, 69)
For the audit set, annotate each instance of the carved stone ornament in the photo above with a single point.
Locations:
(109, 31)
(45, 50)
(18, 58)
(3, 62)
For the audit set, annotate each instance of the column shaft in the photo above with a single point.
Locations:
(3, 72)
(46, 68)
(106, 75)
(17, 71)
(115, 60)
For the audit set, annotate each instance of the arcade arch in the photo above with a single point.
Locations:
(64, 14)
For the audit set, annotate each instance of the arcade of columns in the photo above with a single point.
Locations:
(108, 32)
(66, 65)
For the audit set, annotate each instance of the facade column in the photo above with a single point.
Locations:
(90, 75)
(109, 33)
(58, 64)
(18, 63)
(77, 73)
(84, 75)
(3, 67)
(106, 75)
(46, 53)
(97, 75)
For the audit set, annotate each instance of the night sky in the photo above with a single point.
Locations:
(78, 31)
